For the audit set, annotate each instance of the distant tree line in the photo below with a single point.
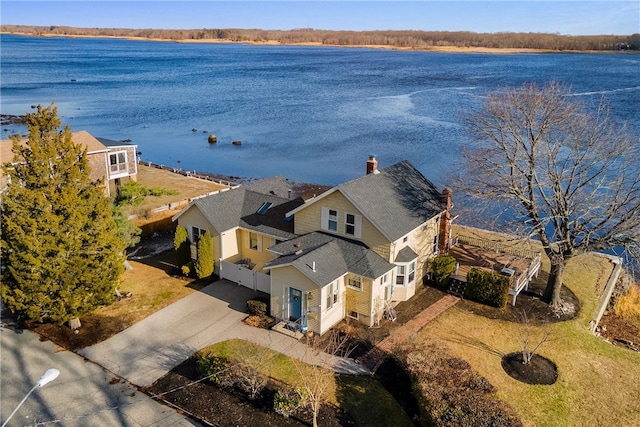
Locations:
(399, 39)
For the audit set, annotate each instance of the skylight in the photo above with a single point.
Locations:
(264, 208)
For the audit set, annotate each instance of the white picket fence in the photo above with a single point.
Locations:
(245, 277)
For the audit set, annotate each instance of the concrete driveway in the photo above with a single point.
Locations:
(83, 395)
(149, 349)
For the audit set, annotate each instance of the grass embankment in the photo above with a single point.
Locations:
(598, 383)
(362, 397)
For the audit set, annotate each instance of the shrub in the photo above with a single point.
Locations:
(187, 269)
(204, 262)
(133, 193)
(487, 287)
(286, 402)
(256, 307)
(214, 367)
(443, 266)
(182, 245)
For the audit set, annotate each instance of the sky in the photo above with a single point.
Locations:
(573, 17)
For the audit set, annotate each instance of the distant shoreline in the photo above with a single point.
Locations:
(441, 49)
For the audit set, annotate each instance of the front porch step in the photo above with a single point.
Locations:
(282, 327)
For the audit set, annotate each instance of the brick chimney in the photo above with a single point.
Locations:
(445, 222)
(372, 164)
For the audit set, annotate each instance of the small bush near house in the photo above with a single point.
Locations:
(187, 269)
(451, 394)
(204, 262)
(182, 246)
(286, 402)
(256, 307)
(487, 287)
(443, 266)
(216, 368)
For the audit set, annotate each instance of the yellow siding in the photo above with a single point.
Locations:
(309, 220)
(421, 241)
(258, 257)
(193, 217)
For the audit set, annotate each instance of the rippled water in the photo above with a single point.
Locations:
(309, 113)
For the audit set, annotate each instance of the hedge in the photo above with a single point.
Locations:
(487, 287)
(443, 266)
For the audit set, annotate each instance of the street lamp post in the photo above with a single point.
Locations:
(46, 378)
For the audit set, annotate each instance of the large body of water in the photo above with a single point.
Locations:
(312, 114)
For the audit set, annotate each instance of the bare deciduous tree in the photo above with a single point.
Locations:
(316, 379)
(530, 338)
(568, 174)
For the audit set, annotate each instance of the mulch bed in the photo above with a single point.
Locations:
(528, 302)
(539, 370)
(619, 332)
(230, 408)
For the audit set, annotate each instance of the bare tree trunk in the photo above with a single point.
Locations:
(554, 284)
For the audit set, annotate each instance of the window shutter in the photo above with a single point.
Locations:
(324, 220)
(358, 226)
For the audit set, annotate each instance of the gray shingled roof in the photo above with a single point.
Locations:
(332, 257)
(406, 254)
(396, 200)
(239, 207)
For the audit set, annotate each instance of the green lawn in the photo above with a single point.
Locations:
(362, 397)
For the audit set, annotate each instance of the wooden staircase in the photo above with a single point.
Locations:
(456, 287)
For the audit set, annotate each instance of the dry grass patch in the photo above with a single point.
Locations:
(590, 370)
(152, 288)
(187, 187)
(628, 306)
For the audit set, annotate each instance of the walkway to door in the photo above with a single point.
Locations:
(374, 358)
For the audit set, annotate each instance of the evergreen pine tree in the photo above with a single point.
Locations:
(61, 254)
(204, 263)
(182, 245)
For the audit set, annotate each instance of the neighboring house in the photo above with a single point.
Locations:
(110, 162)
(356, 250)
(243, 221)
(377, 234)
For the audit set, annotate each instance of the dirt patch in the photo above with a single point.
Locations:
(619, 332)
(224, 408)
(539, 370)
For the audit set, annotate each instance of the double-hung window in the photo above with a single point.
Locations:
(406, 274)
(355, 282)
(352, 225)
(329, 220)
(400, 275)
(253, 241)
(196, 233)
(332, 295)
(118, 164)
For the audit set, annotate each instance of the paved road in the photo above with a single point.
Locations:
(149, 349)
(83, 395)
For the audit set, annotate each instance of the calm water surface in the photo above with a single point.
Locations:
(309, 113)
